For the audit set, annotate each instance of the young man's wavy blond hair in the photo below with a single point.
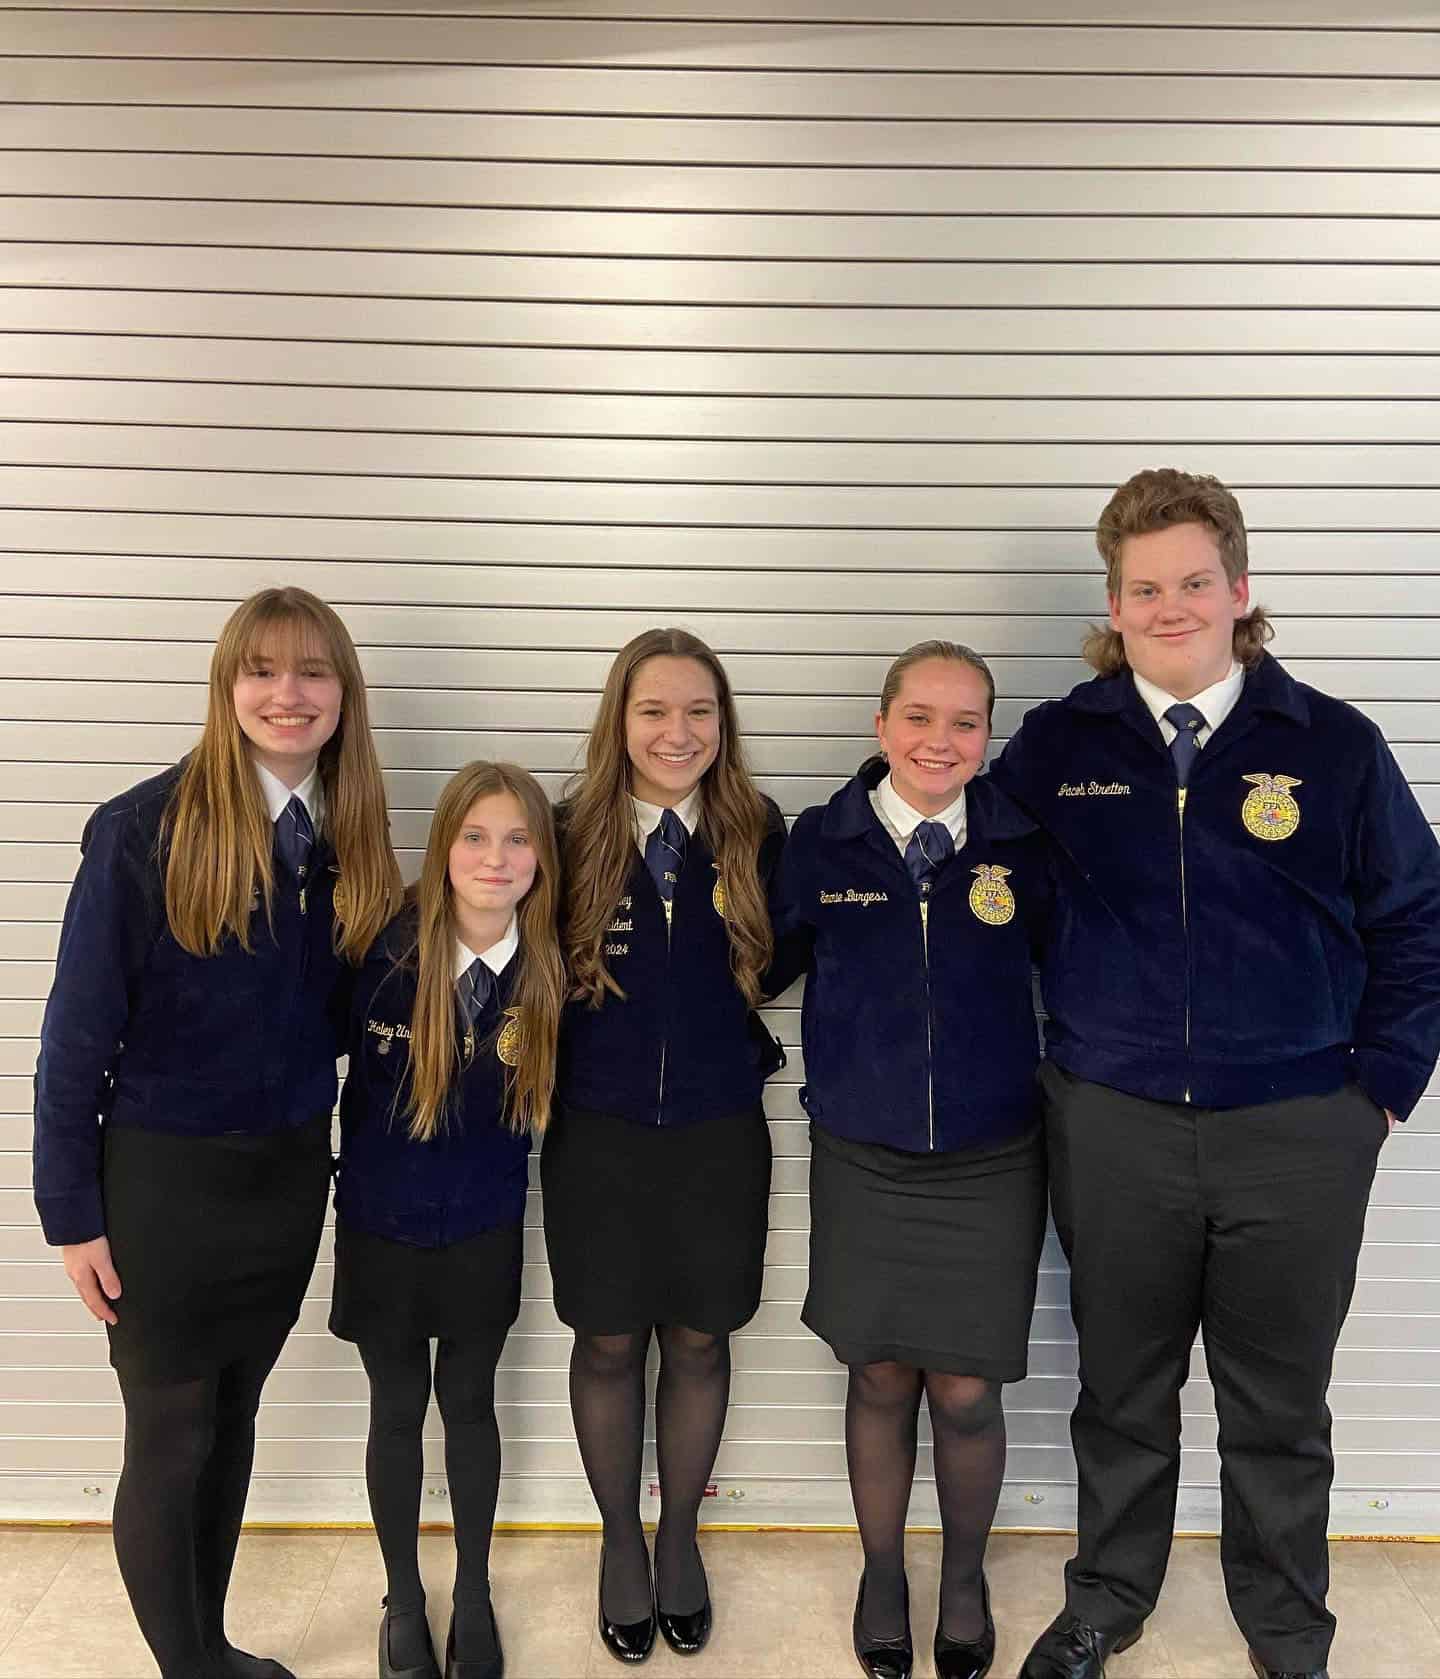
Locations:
(1154, 500)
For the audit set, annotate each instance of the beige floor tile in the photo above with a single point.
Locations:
(543, 1589)
(1383, 1631)
(29, 1561)
(1419, 1567)
(1192, 1618)
(276, 1588)
(82, 1627)
(340, 1640)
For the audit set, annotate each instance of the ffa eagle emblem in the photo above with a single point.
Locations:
(717, 896)
(1269, 812)
(509, 1043)
(990, 898)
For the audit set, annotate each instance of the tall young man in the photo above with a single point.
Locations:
(1244, 997)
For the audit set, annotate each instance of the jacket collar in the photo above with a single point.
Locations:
(1268, 687)
(990, 814)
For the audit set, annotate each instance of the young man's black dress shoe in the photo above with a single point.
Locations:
(959, 1658)
(627, 1641)
(882, 1658)
(1263, 1672)
(1070, 1648)
(493, 1667)
(686, 1634)
(428, 1669)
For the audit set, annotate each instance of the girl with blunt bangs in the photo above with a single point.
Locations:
(656, 1171)
(186, 1080)
(452, 1061)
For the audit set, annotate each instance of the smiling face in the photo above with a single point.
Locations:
(935, 732)
(492, 863)
(672, 728)
(287, 701)
(1176, 609)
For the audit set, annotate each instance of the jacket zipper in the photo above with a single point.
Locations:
(1185, 928)
(929, 1011)
(660, 1106)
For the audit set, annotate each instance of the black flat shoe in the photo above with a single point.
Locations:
(962, 1658)
(493, 1667)
(686, 1634)
(882, 1658)
(428, 1669)
(627, 1641)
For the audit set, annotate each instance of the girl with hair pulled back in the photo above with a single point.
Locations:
(911, 900)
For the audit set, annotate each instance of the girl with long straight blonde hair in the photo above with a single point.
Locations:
(452, 1061)
(202, 960)
(656, 1172)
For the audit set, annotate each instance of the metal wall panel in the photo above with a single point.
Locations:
(511, 334)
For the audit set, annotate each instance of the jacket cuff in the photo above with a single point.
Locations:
(1393, 1082)
(77, 1216)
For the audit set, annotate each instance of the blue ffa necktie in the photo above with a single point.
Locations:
(1187, 721)
(295, 838)
(475, 986)
(665, 854)
(930, 848)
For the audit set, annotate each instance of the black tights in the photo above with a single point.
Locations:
(399, 1395)
(967, 1424)
(189, 1447)
(607, 1397)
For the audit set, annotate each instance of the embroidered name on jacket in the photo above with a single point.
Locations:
(1092, 789)
(387, 1033)
(851, 896)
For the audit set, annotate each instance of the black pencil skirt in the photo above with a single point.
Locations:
(926, 1259)
(214, 1240)
(649, 1224)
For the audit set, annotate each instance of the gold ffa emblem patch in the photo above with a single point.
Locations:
(717, 896)
(990, 898)
(1269, 812)
(342, 901)
(509, 1044)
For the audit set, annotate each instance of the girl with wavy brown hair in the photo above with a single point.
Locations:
(186, 1080)
(452, 1060)
(656, 1170)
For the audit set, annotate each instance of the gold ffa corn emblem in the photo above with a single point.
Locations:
(990, 898)
(1269, 812)
(341, 901)
(717, 896)
(509, 1043)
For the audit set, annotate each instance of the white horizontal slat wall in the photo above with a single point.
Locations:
(816, 325)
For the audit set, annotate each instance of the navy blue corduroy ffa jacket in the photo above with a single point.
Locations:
(469, 1177)
(1277, 934)
(142, 1032)
(919, 1029)
(681, 1046)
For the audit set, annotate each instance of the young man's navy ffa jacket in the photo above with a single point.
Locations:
(142, 1033)
(919, 1026)
(470, 1176)
(681, 1046)
(1276, 933)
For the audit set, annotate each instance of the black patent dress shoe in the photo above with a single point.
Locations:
(962, 1658)
(687, 1634)
(493, 1667)
(428, 1669)
(882, 1658)
(627, 1641)
(1263, 1672)
(1070, 1648)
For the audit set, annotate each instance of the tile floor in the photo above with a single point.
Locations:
(783, 1603)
